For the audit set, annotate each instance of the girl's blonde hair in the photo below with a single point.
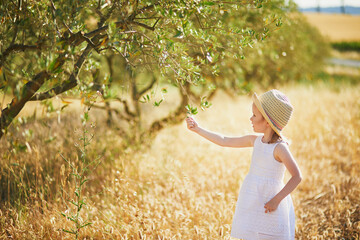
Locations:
(275, 138)
(279, 138)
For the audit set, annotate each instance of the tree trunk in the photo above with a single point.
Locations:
(13, 109)
(175, 117)
(29, 92)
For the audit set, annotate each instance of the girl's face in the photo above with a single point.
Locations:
(259, 123)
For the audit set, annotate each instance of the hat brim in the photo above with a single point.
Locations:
(261, 109)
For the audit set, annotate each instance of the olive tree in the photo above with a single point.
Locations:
(49, 47)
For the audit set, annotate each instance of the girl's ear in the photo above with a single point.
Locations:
(268, 125)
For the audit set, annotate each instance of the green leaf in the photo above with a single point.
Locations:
(67, 231)
(178, 34)
(59, 70)
(83, 181)
(191, 110)
(82, 202)
(52, 65)
(157, 104)
(50, 139)
(205, 104)
(74, 203)
(87, 224)
(55, 65)
(71, 219)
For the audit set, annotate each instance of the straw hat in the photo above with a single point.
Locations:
(275, 108)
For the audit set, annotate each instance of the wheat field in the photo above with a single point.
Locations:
(183, 187)
(336, 27)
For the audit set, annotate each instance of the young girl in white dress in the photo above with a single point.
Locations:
(264, 209)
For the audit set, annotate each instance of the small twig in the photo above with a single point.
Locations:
(125, 58)
(156, 22)
(54, 17)
(147, 18)
(14, 48)
(69, 84)
(143, 25)
(97, 10)
(142, 10)
(108, 14)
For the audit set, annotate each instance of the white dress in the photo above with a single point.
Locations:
(263, 182)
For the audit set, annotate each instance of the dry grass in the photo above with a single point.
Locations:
(184, 187)
(336, 27)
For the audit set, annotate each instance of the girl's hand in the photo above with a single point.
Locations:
(271, 205)
(192, 124)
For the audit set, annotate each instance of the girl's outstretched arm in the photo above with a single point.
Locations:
(283, 154)
(238, 142)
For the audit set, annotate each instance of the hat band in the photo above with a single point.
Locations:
(273, 122)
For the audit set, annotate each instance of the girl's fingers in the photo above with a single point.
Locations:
(191, 123)
(268, 209)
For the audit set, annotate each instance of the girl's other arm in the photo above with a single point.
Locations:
(245, 141)
(283, 154)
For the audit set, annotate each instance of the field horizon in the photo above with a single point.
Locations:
(336, 27)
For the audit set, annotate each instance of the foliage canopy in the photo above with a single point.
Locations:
(51, 47)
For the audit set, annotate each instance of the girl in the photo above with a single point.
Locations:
(264, 209)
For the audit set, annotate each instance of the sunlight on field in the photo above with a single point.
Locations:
(325, 135)
(336, 27)
(184, 187)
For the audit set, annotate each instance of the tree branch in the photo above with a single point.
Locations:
(14, 48)
(69, 84)
(126, 106)
(108, 14)
(54, 17)
(17, 103)
(156, 22)
(147, 88)
(78, 38)
(142, 25)
(139, 11)
(123, 23)
(127, 60)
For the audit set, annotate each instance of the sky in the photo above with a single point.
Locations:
(326, 3)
